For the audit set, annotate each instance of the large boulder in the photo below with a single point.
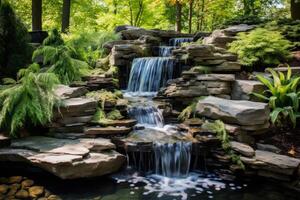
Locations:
(242, 89)
(245, 113)
(67, 159)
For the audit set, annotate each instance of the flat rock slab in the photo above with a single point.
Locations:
(67, 159)
(216, 77)
(234, 112)
(4, 141)
(275, 162)
(65, 92)
(107, 131)
(75, 107)
(124, 122)
(243, 149)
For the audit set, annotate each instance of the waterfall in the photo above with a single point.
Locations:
(176, 42)
(147, 115)
(165, 51)
(149, 74)
(173, 160)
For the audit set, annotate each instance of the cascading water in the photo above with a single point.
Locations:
(165, 51)
(173, 160)
(176, 42)
(147, 115)
(149, 74)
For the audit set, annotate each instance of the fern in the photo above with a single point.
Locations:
(189, 111)
(218, 127)
(28, 100)
(60, 62)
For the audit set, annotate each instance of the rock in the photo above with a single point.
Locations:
(268, 147)
(36, 191)
(15, 179)
(78, 107)
(27, 183)
(125, 27)
(121, 123)
(4, 141)
(107, 131)
(242, 89)
(233, 112)
(3, 189)
(54, 197)
(22, 194)
(65, 92)
(234, 30)
(200, 35)
(73, 120)
(243, 149)
(216, 77)
(277, 163)
(67, 159)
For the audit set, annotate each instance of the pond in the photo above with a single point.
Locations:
(128, 185)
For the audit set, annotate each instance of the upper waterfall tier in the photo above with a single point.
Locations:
(176, 42)
(150, 73)
(165, 51)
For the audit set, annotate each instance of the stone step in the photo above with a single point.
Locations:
(76, 107)
(119, 123)
(66, 92)
(107, 131)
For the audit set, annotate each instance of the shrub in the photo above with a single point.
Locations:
(243, 19)
(59, 58)
(30, 99)
(14, 38)
(261, 47)
(282, 95)
(89, 46)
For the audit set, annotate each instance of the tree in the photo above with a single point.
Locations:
(36, 15)
(66, 10)
(178, 24)
(191, 3)
(295, 9)
(14, 49)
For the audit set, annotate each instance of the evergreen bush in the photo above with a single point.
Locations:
(15, 52)
(261, 47)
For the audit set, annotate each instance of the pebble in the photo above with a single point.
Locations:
(15, 179)
(22, 194)
(3, 189)
(36, 191)
(27, 183)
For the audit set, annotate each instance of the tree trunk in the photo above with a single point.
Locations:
(178, 16)
(36, 15)
(66, 10)
(191, 15)
(295, 9)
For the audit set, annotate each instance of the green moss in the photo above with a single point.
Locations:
(115, 115)
(104, 96)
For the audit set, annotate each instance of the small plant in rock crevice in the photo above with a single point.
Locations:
(218, 127)
(189, 111)
(283, 95)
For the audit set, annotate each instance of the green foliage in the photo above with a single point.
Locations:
(59, 59)
(218, 127)
(30, 99)
(89, 45)
(14, 49)
(115, 115)
(189, 111)
(243, 19)
(283, 96)
(104, 96)
(261, 47)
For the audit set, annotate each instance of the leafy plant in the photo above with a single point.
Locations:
(30, 99)
(104, 96)
(59, 59)
(218, 127)
(189, 111)
(15, 51)
(261, 47)
(282, 95)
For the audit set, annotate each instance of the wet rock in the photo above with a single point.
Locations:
(27, 183)
(233, 112)
(3, 189)
(15, 179)
(243, 149)
(54, 197)
(22, 194)
(36, 191)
